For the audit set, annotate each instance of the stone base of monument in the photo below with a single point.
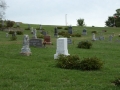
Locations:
(26, 54)
(48, 43)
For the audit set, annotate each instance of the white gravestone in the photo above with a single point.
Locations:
(61, 47)
(34, 34)
(25, 49)
(93, 37)
(7, 34)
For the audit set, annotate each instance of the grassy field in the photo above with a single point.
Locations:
(39, 71)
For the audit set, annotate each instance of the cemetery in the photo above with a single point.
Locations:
(25, 63)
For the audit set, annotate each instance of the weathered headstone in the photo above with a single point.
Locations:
(17, 24)
(69, 40)
(110, 38)
(61, 47)
(44, 33)
(31, 30)
(25, 49)
(93, 37)
(70, 29)
(29, 26)
(55, 32)
(84, 32)
(34, 34)
(7, 34)
(40, 27)
(47, 40)
(36, 42)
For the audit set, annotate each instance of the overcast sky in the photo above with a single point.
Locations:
(54, 12)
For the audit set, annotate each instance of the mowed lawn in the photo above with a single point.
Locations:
(39, 71)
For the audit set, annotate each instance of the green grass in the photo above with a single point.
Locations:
(39, 71)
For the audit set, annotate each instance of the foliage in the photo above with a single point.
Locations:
(11, 32)
(10, 23)
(80, 22)
(27, 28)
(116, 82)
(13, 38)
(94, 32)
(77, 35)
(92, 63)
(19, 32)
(40, 36)
(68, 62)
(114, 20)
(66, 28)
(85, 44)
(59, 27)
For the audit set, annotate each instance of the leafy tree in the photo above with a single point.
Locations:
(114, 20)
(80, 22)
(3, 6)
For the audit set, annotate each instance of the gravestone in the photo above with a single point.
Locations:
(17, 24)
(7, 34)
(69, 40)
(70, 29)
(47, 40)
(40, 27)
(84, 32)
(25, 49)
(29, 26)
(44, 33)
(34, 34)
(36, 42)
(3, 23)
(56, 32)
(61, 47)
(93, 37)
(31, 30)
(110, 38)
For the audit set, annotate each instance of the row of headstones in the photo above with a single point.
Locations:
(61, 47)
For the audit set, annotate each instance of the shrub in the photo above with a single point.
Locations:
(10, 23)
(40, 36)
(61, 33)
(68, 62)
(59, 27)
(117, 82)
(94, 32)
(13, 38)
(66, 28)
(78, 35)
(92, 63)
(19, 33)
(84, 44)
(11, 32)
(27, 28)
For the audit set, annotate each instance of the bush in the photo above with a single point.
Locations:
(66, 28)
(61, 33)
(68, 62)
(19, 33)
(84, 44)
(11, 32)
(92, 63)
(40, 36)
(27, 28)
(59, 27)
(78, 35)
(117, 82)
(10, 23)
(94, 32)
(13, 38)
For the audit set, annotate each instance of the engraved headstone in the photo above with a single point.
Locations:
(7, 34)
(84, 32)
(25, 49)
(93, 37)
(47, 40)
(55, 32)
(69, 40)
(36, 42)
(61, 47)
(110, 38)
(44, 33)
(34, 34)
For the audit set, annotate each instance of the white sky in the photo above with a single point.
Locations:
(53, 12)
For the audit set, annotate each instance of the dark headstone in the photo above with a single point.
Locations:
(44, 33)
(55, 32)
(84, 32)
(47, 39)
(70, 29)
(36, 42)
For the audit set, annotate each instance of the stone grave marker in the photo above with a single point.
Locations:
(25, 49)
(110, 38)
(70, 29)
(36, 42)
(62, 47)
(84, 32)
(44, 33)
(7, 34)
(56, 32)
(93, 37)
(31, 30)
(47, 40)
(34, 34)
(69, 40)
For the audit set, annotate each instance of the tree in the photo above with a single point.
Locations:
(80, 22)
(3, 6)
(114, 20)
